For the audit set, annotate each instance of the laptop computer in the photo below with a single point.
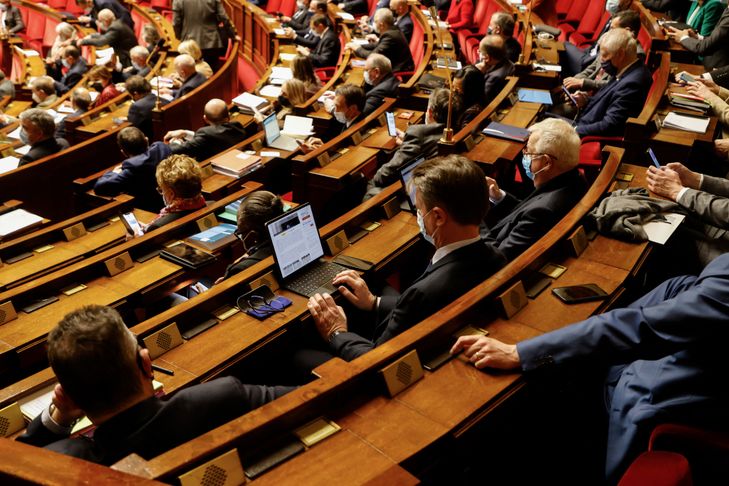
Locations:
(297, 251)
(274, 139)
(406, 175)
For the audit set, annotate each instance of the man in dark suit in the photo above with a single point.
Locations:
(326, 53)
(550, 160)
(666, 352)
(494, 65)
(379, 81)
(10, 18)
(502, 24)
(418, 140)
(136, 174)
(140, 112)
(300, 19)
(346, 107)
(139, 67)
(452, 198)
(355, 7)
(116, 34)
(191, 79)
(403, 21)
(391, 43)
(218, 135)
(714, 48)
(77, 67)
(92, 8)
(38, 130)
(606, 112)
(80, 103)
(104, 374)
(676, 9)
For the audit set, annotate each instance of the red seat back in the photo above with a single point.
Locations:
(36, 25)
(417, 44)
(576, 11)
(591, 18)
(646, 41)
(273, 6)
(288, 7)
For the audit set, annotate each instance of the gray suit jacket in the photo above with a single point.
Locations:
(419, 140)
(198, 20)
(711, 202)
(715, 47)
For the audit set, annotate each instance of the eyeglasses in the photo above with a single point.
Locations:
(535, 154)
(260, 304)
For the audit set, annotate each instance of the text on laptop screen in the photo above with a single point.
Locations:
(270, 125)
(406, 174)
(295, 239)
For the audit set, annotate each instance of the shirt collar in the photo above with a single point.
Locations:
(444, 251)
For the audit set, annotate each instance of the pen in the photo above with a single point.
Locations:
(162, 370)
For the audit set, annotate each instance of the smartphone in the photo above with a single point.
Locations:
(391, 128)
(653, 157)
(579, 293)
(687, 78)
(569, 95)
(131, 224)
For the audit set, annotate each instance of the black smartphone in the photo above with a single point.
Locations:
(573, 294)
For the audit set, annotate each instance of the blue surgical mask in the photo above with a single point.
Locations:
(526, 162)
(612, 6)
(423, 231)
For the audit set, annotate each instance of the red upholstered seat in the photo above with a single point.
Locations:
(288, 7)
(658, 468)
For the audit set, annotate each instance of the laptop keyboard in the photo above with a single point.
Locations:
(315, 279)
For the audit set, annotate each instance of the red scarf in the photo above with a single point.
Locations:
(179, 205)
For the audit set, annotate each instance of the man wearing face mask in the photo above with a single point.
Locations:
(550, 159)
(300, 19)
(379, 82)
(577, 59)
(451, 199)
(76, 66)
(494, 65)
(144, 101)
(139, 67)
(115, 34)
(327, 50)
(38, 130)
(502, 24)
(606, 112)
(391, 43)
(43, 92)
(10, 19)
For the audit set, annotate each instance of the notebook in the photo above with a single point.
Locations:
(249, 103)
(406, 175)
(235, 163)
(688, 123)
(274, 139)
(17, 220)
(297, 251)
(509, 132)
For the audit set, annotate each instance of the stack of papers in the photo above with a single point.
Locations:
(279, 74)
(345, 16)
(688, 123)
(298, 126)
(270, 91)
(103, 56)
(250, 103)
(235, 163)
(17, 220)
(29, 52)
(279, 32)
(286, 56)
(690, 102)
(8, 163)
(547, 67)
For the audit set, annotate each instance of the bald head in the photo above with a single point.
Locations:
(492, 49)
(216, 111)
(106, 16)
(185, 65)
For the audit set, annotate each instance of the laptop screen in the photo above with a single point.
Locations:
(270, 126)
(406, 175)
(295, 239)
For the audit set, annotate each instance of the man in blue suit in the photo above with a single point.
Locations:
(606, 112)
(667, 351)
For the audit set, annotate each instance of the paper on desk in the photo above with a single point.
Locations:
(548, 67)
(65, 109)
(22, 150)
(280, 32)
(358, 63)
(441, 24)
(270, 154)
(297, 126)
(93, 95)
(286, 56)
(360, 42)
(9, 163)
(57, 117)
(15, 134)
(271, 91)
(686, 123)
(103, 56)
(29, 52)
(659, 231)
(17, 219)
(345, 15)
(282, 72)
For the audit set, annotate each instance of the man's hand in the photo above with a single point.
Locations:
(285, 18)
(289, 32)
(494, 190)
(581, 98)
(483, 351)
(372, 38)
(351, 46)
(304, 51)
(327, 315)
(699, 89)
(721, 147)
(311, 144)
(688, 177)
(664, 182)
(573, 83)
(84, 19)
(175, 135)
(680, 34)
(360, 295)
(66, 412)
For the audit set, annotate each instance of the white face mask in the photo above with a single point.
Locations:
(341, 117)
(367, 77)
(136, 66)
(423, 231)
(300, 5)
(612, 6)
(36, 98)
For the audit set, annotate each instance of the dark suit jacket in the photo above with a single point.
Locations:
(327, 50)
(119, 36)
(300, 19)
(140, 113)
(156, 425)
(419, 140)
(356, 7)
(513, 49)
(306, 38)
(440, 284)
(388, 87)
(715, 47)
(392, 45)
(676, 9)
(493, 80)
(136, 72)
(211, 139)
(521, 223)
(669, 352)
(61, 130)
(190, 83)
(42, 149)
(137, 178)
(72, 76)
(258, 253)
(120, 11)
(607, 110)
(13, 20)
(405, 24)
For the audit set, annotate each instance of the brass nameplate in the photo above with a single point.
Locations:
(402, 373)
(43, 248)
(73, 289)
(163, 340)
(391, 207)
(75, 231)
(7, 312)
(207, 222)
(316, 431)
(553, 270)
(357, 138)
(513, 299)
(224, 312)
(469, 142)
(323, 159)
(337, 243)
(11, 420)
(470, 331)
(578, 240)
(268, 280)
(206, 171)
(624, 176)
(119, 263)
(225, 470)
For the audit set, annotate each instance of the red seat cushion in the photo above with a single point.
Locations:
(658, 468)
(591, 154)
